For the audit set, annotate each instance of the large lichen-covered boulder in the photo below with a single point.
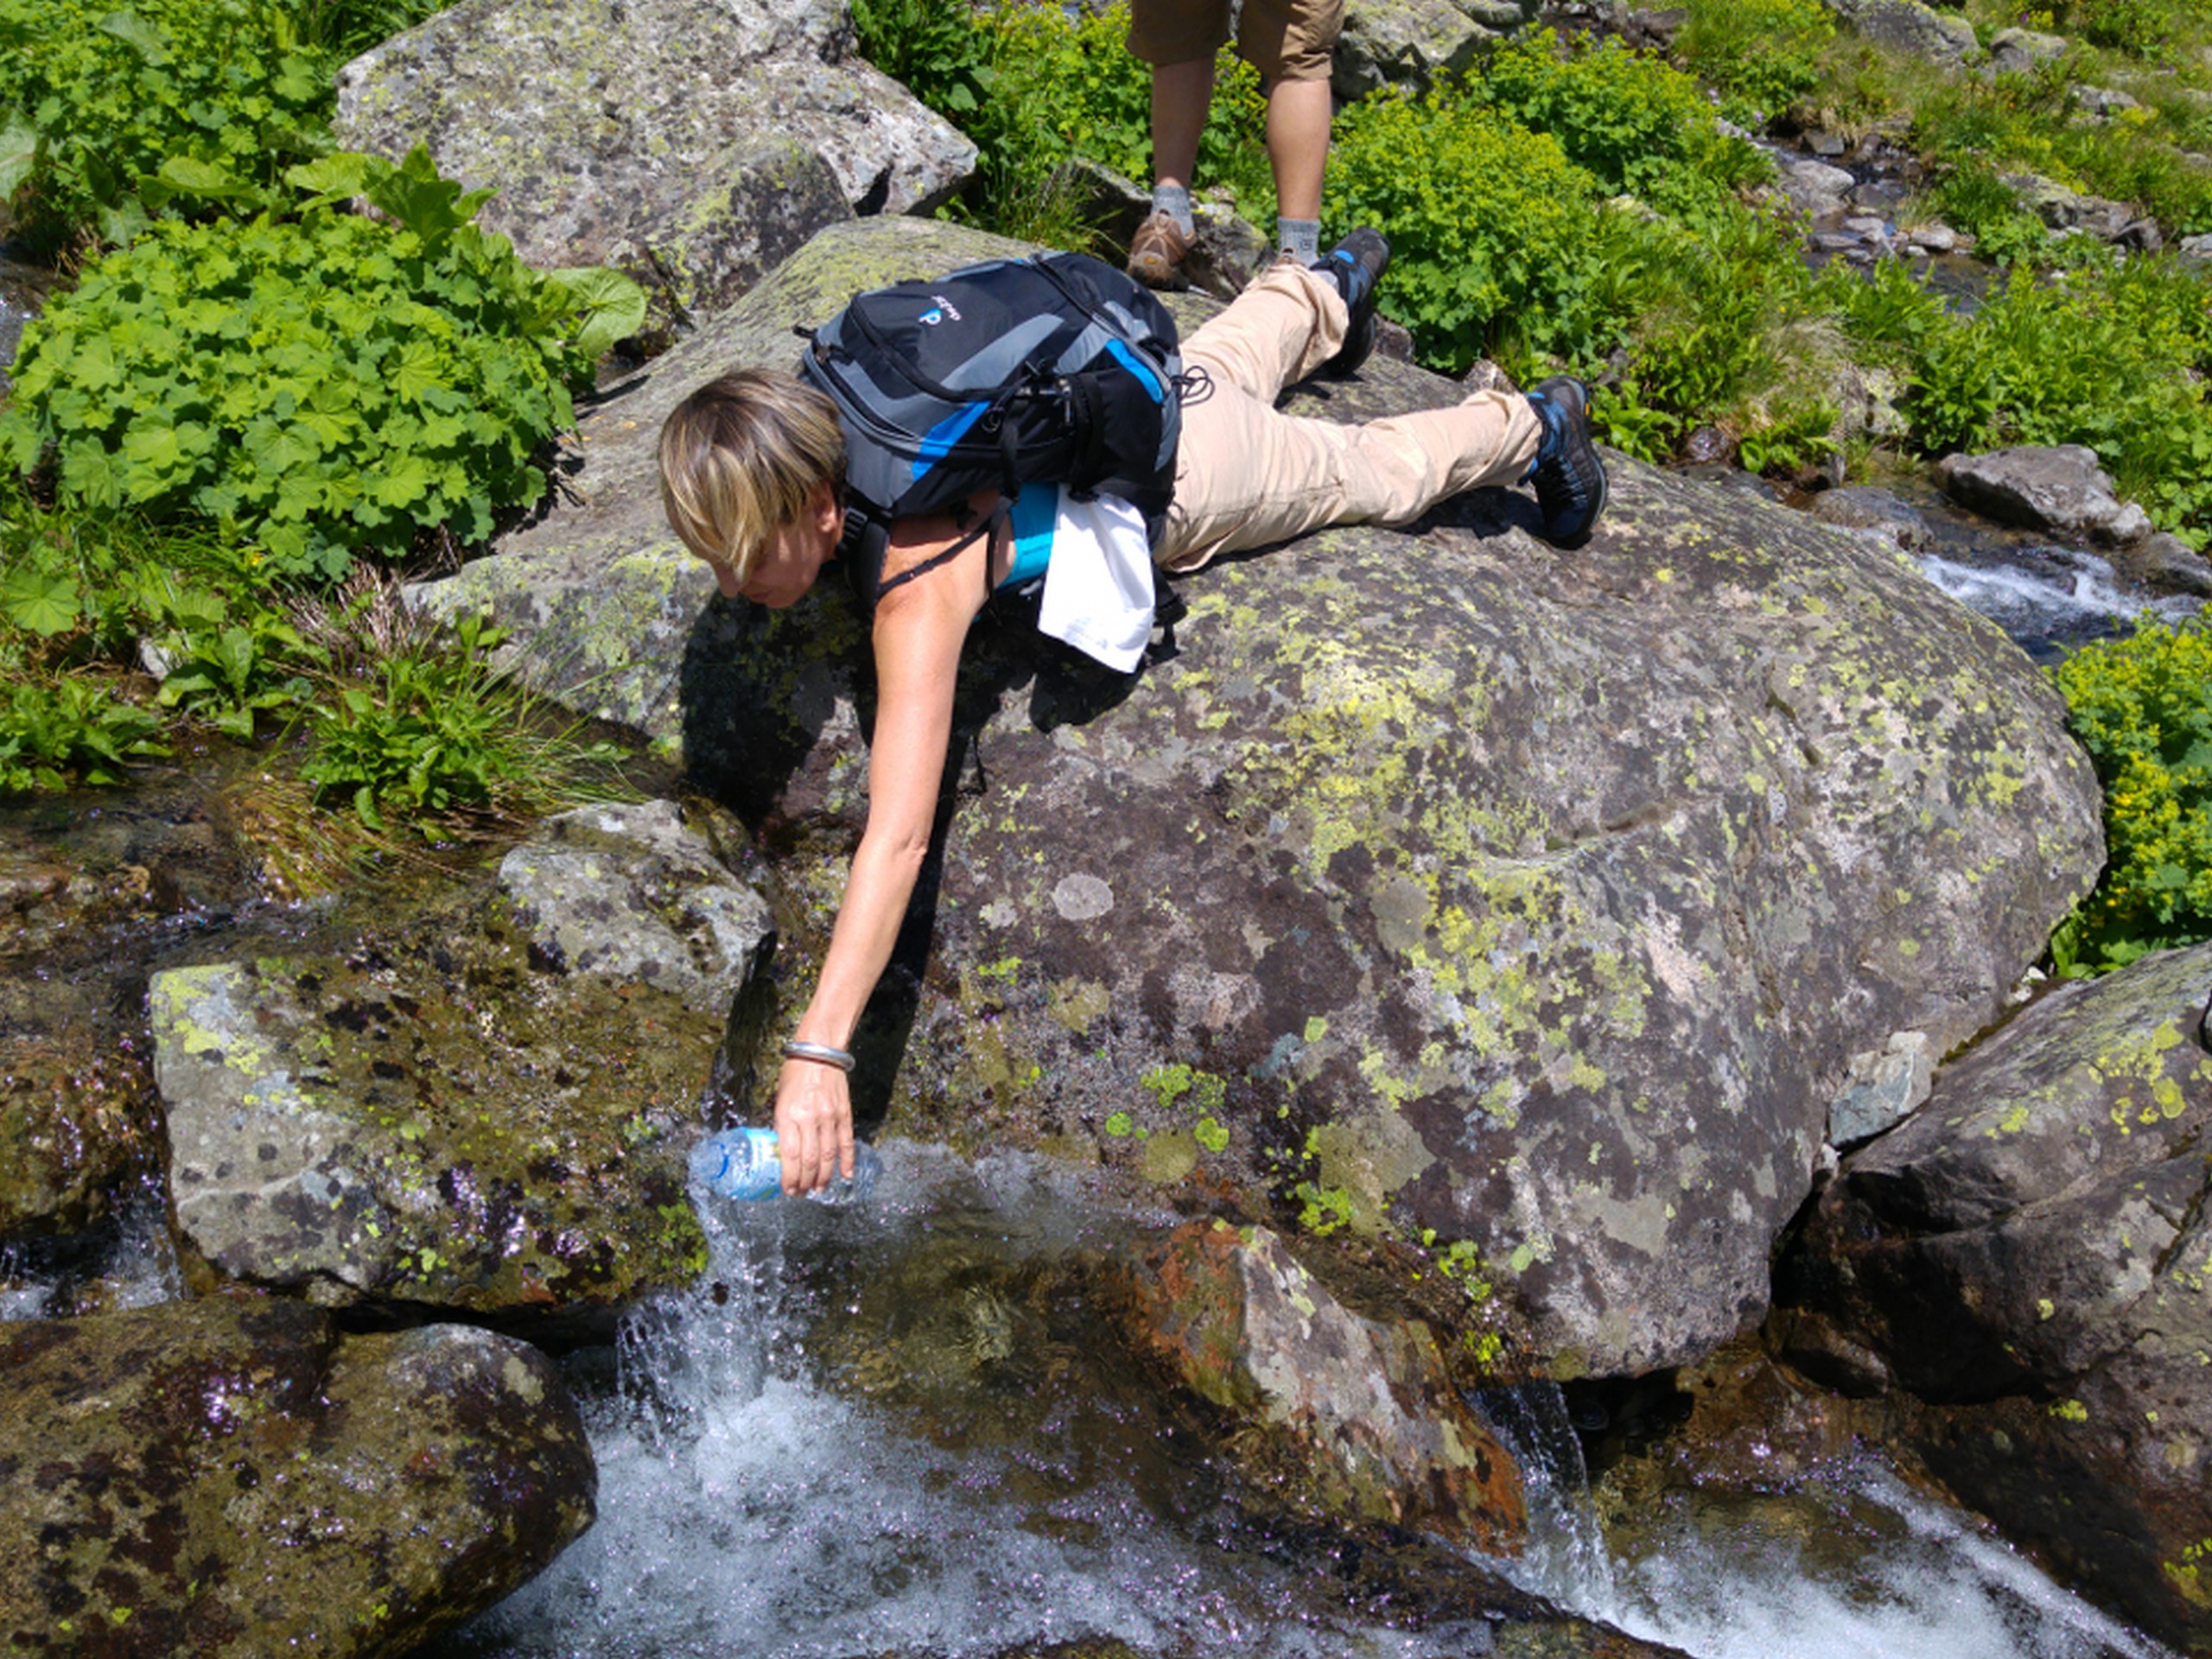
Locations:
(2031, 1256)
(692, 144)
(1360, 1419)
(462, 1109)
(1908, 26)
(1412, 42)
(1542, 901)
(230, 1477)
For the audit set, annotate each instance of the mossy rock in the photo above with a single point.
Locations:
(2029, 1263)
(231, 1477)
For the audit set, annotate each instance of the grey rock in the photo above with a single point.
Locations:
(628, 894)
(2061, 488)
(2142, 235)
(1814, 187)
(2018, 51)
(1568, 964)
(2104, 102)
(2065, 210)
(1867, 225)
(2195, 250)
(2166, 564)
(1885, 1086)
(445, 1116)
(2028, 1258)
(1933, 238)
(692, 144)
(1827, 145)
(1411, 43)
(1941, 38)
(231, 1477)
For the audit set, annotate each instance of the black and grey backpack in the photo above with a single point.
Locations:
(1054, 369)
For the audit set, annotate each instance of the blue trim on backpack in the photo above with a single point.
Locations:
(938, 441)
(1136, 366)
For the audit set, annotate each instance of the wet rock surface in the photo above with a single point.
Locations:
(691, 144)
(2030, 1258)
(1350, 1418)
(1546, 897)
(76, 1121)
(451, 1115)
(230, 1477)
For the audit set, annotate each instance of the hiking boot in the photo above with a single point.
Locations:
(1156, 252)
(1569, 477)
(1355, 266)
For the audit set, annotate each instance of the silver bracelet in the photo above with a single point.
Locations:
(820, 1053)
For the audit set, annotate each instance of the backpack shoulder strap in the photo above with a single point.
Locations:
(873, 544)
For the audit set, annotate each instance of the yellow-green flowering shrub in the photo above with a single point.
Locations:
(2142, 708)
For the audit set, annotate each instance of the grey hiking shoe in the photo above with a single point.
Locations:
(1156, 253)
(1355, 266)
(1569, 477)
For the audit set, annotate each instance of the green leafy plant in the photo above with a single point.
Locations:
(1493, 230)
(74, 731)
(1636, 123)
(109, 113)
(2142, 708)
(229, 672)
(435, 731)
(317, 386)
(1764, 55)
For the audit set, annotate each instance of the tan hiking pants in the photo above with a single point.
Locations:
(1249, 476)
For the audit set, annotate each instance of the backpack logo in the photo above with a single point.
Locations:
(939, 312)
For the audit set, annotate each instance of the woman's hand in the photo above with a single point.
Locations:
(814, 1125)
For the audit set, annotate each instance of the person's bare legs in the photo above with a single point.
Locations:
(1181, 95)
(1298, 142)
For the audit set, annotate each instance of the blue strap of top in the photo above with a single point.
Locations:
(1030, 523)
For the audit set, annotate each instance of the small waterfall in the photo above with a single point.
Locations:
(128, 1261)
(1569, 1564)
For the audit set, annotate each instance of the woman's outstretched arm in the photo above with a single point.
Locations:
(919, 630)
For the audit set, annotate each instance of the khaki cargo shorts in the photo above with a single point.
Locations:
(1284, 40)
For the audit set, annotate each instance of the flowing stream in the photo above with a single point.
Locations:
(887, 1431)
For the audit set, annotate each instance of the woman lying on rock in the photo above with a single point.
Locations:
(754, 474)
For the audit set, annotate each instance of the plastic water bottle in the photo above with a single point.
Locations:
(743, 1163)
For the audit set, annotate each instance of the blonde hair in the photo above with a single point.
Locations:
(739, 457)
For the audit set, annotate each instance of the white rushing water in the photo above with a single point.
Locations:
(746, 1510)
(2060, 598)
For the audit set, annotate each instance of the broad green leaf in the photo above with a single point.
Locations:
(19, 154)
(189, 176)
(44, 603)
(611, 307)
(149, 39)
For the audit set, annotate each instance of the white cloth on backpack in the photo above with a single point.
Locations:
(1098, 593)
